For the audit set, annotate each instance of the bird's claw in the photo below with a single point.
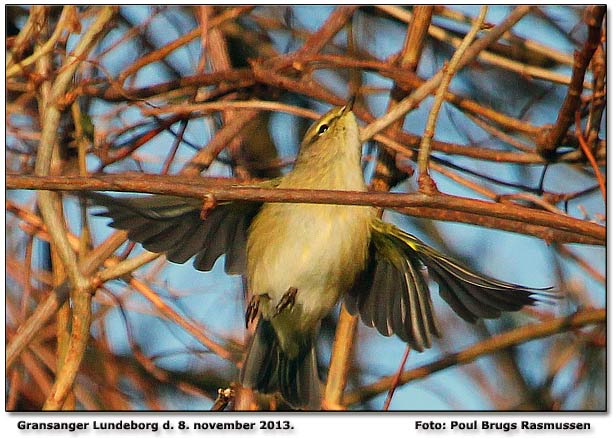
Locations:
(252, 310)
(287, 300)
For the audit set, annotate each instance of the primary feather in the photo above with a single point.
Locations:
(470, 294)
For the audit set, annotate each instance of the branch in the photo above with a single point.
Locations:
(340, 362)
(410, 102)
(55, 225)
(400, 141)
(328, 30)
(492, 56)
(591, 159)
(448, 71)
(204, 158)
(45, 311)
(492, 345)
(545, 225)
(113, 92)
(546, 145)
(46, 48)
(114, 269)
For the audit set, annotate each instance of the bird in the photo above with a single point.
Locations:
(301, 259)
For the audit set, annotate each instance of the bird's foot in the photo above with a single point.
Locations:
(287, 300)
(252, 310)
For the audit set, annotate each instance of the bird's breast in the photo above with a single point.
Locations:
(318, 249)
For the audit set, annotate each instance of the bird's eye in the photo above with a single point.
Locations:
(324, 127)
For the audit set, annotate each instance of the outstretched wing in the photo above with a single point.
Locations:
(392, 294)
(174, 225)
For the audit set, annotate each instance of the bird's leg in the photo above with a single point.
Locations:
(287, 300)
(252, 310)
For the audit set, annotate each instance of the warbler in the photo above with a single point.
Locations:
(301, 259)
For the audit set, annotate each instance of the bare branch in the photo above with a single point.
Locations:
(549, 226)
(496, 343)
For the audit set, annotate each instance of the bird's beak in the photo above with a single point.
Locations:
(349, 105)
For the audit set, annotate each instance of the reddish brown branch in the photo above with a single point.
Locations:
(546, 225)
(593, 16)
(396, 380)
(328, 30)
(599, 96)
(124, 152)
(589, 155)
(204, 158)
(114, 93)
(494, 344)
(260, 74)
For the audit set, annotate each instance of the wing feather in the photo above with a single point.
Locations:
(174, 225)
(392, 294)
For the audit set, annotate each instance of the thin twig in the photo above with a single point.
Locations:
(591, 159)
(581, 262)
(448, 71)
(430, 85)
(547, 144)
(195, 329)
(396, 380)
(496, 343)
(490, 57)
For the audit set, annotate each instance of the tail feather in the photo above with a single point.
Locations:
(268, 369)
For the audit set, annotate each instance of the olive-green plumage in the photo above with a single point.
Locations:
(300, 259)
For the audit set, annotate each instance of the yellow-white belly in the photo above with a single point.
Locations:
(317, 249)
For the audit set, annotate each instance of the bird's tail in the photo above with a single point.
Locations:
(268, 369)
